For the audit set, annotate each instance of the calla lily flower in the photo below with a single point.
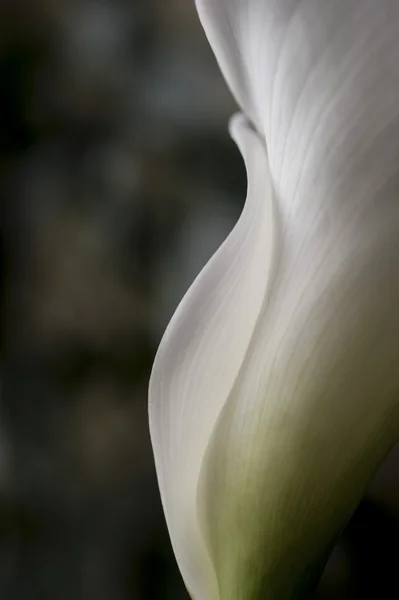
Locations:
(274, 395)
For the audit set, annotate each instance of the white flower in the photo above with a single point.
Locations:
(274, 395)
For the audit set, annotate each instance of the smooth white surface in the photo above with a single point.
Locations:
(274, 395)
(200, 356)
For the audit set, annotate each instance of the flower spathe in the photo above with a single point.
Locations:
(274, 395)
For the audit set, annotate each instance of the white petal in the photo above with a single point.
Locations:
(316, 405)
(312, 414)
(290, 390)
(320, 80)
(200, 356)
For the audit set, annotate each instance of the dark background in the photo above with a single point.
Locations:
(117, 182)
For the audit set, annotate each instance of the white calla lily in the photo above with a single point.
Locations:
(274, 395)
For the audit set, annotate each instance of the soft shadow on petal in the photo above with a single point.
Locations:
(200, 357)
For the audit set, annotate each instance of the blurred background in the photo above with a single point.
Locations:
(117, 181)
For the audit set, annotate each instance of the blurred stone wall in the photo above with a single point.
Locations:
(117, 182)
